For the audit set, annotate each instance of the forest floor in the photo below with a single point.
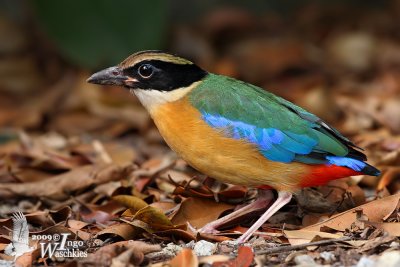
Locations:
(86, 161)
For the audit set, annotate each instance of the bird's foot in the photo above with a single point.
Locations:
(283, 199)
(209, 228)
(264, 199)
(243, 238)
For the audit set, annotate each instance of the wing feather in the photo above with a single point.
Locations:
(281, 130)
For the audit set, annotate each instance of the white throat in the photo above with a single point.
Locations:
(151, 98)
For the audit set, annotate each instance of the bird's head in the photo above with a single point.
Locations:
(155, 77)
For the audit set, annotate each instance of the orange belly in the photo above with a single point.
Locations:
(226, 159)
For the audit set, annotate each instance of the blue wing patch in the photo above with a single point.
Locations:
(277, 145)
(347, 162)
(273, 143)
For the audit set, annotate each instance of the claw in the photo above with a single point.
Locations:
(208, 229)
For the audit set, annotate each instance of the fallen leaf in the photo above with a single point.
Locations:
(57, 229)
(131, 202)
(59, 186)
(213, 258)
(375, 210)
(121, 154)
(234, 194)
(164, 206)
(176, 234)
(297, 237)
(392, 174)
(244, 258)
(105, 255)
(376, 242)
(124, 230)
(154, 166)
(108, 189)
(198, 212)
(154, 217)
(185, 257)
(75, 224)
(26, 259)
(97, 216)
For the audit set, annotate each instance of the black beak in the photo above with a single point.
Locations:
(109, 76)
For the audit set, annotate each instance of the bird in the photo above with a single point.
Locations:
(20, 237)
(236, 132)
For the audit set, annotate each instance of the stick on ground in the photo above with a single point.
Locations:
(301, 246)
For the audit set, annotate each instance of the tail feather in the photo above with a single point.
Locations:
(370, 170)
(354, 164)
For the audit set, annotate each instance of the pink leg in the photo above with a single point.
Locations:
(283, 199)
(262, 201)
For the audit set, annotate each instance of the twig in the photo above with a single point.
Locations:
(99, 148)
(301, 246)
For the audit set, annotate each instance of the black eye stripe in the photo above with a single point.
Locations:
(166, 76)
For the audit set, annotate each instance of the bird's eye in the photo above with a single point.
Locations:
(146, 71)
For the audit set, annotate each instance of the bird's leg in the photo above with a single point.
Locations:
(263, 199)
(283, 198)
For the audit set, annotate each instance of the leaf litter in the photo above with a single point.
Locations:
(87, 161)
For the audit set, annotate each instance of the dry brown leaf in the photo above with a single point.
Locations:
(198, 212)
(388, 115)
(123, 230)
(165, 206)
(391, 175)
(108, 189)
(153, 166)
(105, 255)
(34, 154)
(234, 194)
(25, 175)
(297, 237)
(96, 216)
(178, 177)
(121, 154)
(98, 105)
(375, 210)
(111, 207)
(313, 201)
(126, 259)
(392, 228)
(61, 185)
(131, 202)
(357, 194)
(57, 229)
(200, 192)
(244, 258)
(155, 218)
(176, 234)
(43, 218)
(213, 258)
(27, 259)
(185, 257)
(378, 241)
(98, 152)
(75, 224)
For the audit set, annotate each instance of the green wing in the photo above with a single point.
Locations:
(282, 131)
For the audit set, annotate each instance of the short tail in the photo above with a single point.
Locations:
(370, 170)
(354, 164)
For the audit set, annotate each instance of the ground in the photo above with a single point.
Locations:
(86, 161)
